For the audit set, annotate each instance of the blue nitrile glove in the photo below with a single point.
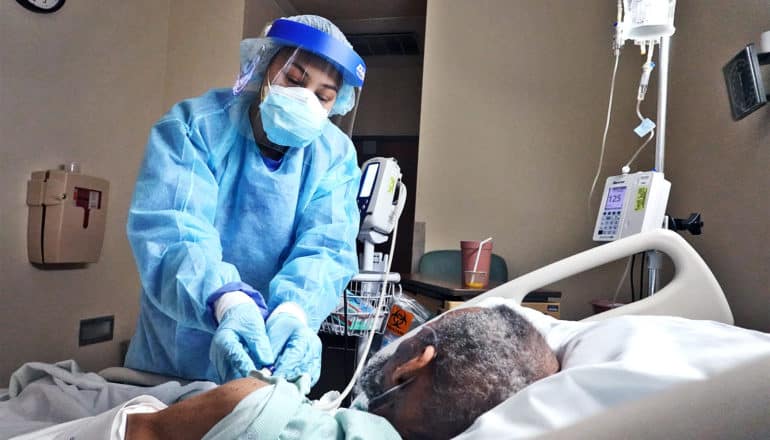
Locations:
(240, 344)
(297, 347)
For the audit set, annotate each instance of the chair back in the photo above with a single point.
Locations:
(447, 265)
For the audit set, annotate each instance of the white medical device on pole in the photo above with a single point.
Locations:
(648, 23)
(381, 200)
(632, 203)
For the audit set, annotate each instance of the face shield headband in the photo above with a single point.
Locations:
(292, 33)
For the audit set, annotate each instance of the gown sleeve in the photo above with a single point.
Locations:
(171, 228)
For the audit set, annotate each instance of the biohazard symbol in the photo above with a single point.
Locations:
(399, 318)
(399, 321)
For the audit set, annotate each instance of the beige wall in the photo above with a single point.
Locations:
(513, 105)
(203, 38)
(86, 84)
(718, 166)
(390, 100)
(83, 85)
(258, 13)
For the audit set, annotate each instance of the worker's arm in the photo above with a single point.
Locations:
(171, 229)
(194, 417)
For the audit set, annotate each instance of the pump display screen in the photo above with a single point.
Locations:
(615, 198)
(367, 182)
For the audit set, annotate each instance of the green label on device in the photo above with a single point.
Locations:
(641, 197)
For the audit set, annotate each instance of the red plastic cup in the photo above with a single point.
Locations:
(603, 305)
(478, 278)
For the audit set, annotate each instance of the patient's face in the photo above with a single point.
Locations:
(400, 406)
(436, 383)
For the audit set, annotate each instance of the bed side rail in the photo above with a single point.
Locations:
(693, 293)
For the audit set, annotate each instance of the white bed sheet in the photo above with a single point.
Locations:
(109, 425)
(618, 360)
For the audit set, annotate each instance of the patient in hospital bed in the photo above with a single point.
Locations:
(434, 385)
(474, 373)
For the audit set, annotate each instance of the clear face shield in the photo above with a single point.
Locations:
(311, 80)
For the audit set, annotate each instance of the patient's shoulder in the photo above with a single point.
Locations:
(193, 417)
(362, 424)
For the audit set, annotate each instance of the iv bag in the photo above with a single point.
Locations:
(646, 20)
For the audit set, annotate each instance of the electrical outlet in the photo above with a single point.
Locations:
(95, 330)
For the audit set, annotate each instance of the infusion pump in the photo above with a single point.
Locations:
(381, 200)
(631, 203)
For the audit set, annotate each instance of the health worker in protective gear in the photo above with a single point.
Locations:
(244, 216)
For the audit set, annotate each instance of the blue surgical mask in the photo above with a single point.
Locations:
(292, 116)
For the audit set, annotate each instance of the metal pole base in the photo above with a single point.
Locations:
(654, 266)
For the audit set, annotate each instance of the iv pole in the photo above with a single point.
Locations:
(655, 258)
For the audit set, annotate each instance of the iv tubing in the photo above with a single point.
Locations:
(647, 67)
(639, 150)
(606, 128)
(333, 405)
(639, 99)
(617, 44)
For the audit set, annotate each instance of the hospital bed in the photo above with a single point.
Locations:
(732, 404)
(725, 406)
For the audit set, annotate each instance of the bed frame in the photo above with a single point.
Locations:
(693, 293)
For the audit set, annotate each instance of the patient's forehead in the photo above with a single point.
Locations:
(449, 314)
(457, 312)
(408, 343)
(412, 339)
(464, 310)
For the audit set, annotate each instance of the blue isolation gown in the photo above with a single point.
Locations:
(208, 212)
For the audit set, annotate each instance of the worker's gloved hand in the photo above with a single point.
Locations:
(296, 346)
(240, 343)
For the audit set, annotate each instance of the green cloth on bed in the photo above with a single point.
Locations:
(281, 411)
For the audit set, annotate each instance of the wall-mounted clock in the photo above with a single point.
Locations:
(42, 6)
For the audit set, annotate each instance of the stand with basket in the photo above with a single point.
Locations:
(357, 313)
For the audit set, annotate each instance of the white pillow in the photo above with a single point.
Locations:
(609, 362)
